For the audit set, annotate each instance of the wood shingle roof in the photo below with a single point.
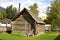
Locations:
(34, 16)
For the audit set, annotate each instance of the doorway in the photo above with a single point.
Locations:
(33, 28)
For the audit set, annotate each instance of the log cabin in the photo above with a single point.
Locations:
(28, 23)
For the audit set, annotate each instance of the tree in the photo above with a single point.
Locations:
(11, 12)
(3, 15)
(33, 8)
(53, 14)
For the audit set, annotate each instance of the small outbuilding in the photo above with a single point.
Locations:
(5, 25)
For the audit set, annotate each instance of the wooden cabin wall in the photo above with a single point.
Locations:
(2, 29)
(40, 28)
(20, 24)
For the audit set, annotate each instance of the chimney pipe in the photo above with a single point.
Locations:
(19, 8)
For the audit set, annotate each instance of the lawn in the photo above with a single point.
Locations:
(19, 36)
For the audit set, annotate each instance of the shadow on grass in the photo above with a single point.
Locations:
(58, 37)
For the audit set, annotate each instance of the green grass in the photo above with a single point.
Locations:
(19, 36)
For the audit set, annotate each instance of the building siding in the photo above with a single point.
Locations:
(20, 24)
(40, 28)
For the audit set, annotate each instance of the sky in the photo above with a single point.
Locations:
(42, 4)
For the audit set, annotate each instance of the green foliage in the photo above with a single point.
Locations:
(33, 8)
(3, 15)
(53, 13)
(11, 11)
